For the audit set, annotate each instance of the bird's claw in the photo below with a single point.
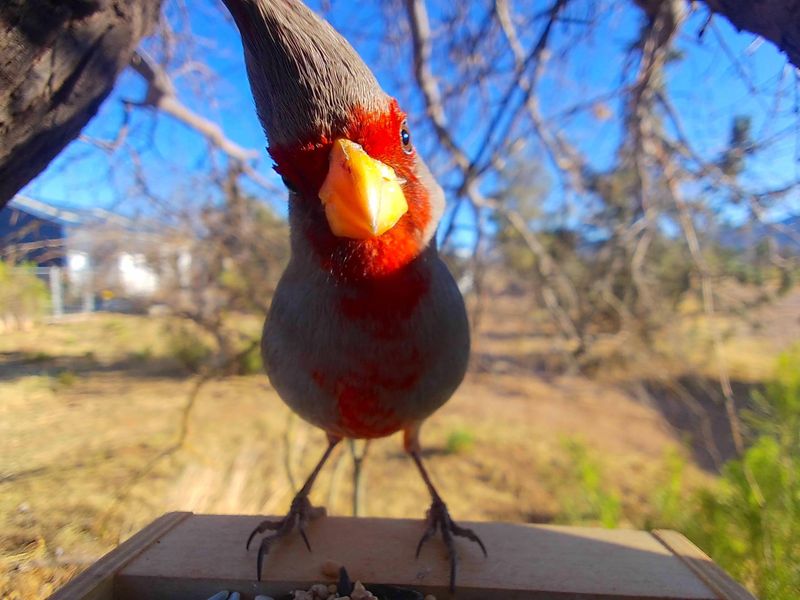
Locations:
(300, 514)
(439, 518)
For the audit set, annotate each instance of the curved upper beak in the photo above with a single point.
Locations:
(363, 197)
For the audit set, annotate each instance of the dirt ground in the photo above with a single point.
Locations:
(92, 410)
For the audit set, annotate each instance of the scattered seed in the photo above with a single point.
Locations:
(330, 568)
(361, 593)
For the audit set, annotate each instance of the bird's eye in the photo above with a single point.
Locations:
(288, 185)
(405, 138)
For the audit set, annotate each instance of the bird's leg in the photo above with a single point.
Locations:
(358, 476)
(438, 517)
(300, 513)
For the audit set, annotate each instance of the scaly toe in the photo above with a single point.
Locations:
(300, 514)
(265, 526)
(438, 517)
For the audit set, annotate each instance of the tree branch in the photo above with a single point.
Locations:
(161, 96)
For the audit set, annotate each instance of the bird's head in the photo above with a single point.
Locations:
(360, 197)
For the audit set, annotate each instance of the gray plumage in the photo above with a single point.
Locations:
(306, 80)
(365, 337)
(306, 308)
(321, 77)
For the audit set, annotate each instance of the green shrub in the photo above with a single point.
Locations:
(38, 357)
(459, 440)
(669, 496)
(66, 378)
(584, 497)
(23, 296)
(142, 356)
(750, 524)
(188, 347)
(249, 363)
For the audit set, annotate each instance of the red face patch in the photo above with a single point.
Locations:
(304, 168)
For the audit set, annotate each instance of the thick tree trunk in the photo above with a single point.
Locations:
(775, 20)
(59, 60)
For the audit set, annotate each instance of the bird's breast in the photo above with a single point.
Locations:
(369, 359)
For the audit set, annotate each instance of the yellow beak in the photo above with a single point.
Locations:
(362, 196)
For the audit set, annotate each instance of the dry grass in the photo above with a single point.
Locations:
(90, 407)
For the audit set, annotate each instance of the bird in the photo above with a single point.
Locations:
(367, 334)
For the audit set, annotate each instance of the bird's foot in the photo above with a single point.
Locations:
(439, 518)
(300, 514)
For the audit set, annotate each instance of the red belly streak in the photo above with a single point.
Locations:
(361, 414)
(366, 394)
(360, 398)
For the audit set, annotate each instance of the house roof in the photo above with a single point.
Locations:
(72, 217)
(42, 210)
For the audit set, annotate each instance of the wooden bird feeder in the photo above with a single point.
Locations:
(183, 556)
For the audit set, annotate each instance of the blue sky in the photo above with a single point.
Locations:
(711, 85)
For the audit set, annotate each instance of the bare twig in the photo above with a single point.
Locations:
(161, 95)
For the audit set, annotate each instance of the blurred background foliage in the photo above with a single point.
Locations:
(23, 296)
(748, 521)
